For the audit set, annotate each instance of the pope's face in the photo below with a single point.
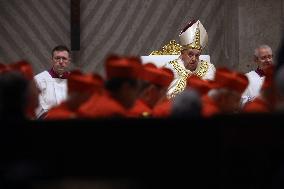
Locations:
(190, 58)
(264, 59)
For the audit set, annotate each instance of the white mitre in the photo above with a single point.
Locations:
(193, 36)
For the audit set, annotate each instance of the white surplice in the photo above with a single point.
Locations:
(53, 91)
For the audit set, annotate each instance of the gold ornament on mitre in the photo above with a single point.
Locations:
(193, 36)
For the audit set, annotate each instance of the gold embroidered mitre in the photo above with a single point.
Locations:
(193, 36)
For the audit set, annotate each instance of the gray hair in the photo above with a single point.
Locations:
(256, 50)
(187, 104)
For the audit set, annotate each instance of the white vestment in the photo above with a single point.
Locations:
(254, 87)
(53, 91)
(205, 70)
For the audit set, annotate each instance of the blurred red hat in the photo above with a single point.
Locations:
(225, 78)
(201, 85)
(122, 67)
(23, 67)
(257, 105)
(155, 75)
(79, 82)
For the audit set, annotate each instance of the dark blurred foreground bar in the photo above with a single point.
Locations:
(243, 151)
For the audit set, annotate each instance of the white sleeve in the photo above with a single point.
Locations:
(174, 82)
(245, 97)
(169, 66)
(244, 100)
(41, 85)
(172, 87)
(210, 75)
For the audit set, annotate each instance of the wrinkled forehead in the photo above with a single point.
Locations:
(191, 51)
(264, 52)
(61, 54)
